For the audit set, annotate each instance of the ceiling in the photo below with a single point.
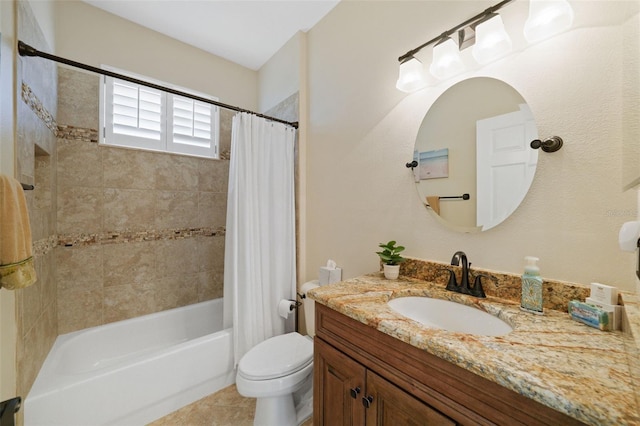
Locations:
(247, 32)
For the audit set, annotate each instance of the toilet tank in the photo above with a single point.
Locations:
(309, 308)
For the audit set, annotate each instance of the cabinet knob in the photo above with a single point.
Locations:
(366, 401)
(354, 392)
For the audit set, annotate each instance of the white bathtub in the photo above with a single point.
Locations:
(134, 371)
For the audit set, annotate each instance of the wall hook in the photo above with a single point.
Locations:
(552, 144)
(412, 164)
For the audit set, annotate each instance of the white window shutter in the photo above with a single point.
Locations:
(133, 115)
(192, 127)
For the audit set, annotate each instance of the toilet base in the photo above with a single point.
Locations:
(275, 411)
(291, 409)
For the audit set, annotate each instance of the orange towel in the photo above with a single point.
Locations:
(434, 202)
(16, 260)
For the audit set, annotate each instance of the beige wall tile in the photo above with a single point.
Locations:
(27, 134)
(212, 209)
(210, 252)
(33, 349)
(79, 164)
(46, 275)
(175, 291)
(130, 209)
(79, 210)
(129, 301)
(128, 168)
(30, 302)
(176, 173)
(210, 285)
(175, 209)
(175, 258)
(78, 98)
(129, 262)
(78, 309)
(213, 175)
(224, 144)
(79, 268)
(43, 183)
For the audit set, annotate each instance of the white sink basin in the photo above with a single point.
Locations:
(451, 316)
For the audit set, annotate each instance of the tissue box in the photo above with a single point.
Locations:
(604, 293)
(328, 276)
(615, 312)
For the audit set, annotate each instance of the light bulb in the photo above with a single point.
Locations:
(446, 59)
(547, 18)
(492, 40)
(412, 76)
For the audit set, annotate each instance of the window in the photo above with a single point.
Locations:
(137, 116)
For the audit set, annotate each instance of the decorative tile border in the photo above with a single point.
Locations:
(36, 106)
(118, 237)
(45, 245)
(77, 133)
(60, 131)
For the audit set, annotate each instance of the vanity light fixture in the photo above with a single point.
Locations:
(490, 41)
(547, 18)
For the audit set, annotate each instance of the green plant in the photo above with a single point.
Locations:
(390, 253)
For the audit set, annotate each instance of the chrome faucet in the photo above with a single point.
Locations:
(464, 287)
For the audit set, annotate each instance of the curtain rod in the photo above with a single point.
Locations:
(26, 50)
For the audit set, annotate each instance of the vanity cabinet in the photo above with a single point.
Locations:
(350, 394)
(404, 385)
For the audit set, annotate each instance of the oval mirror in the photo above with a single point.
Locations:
(475, 164)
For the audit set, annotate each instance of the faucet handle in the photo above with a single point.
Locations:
(452, 285)
(477, 289)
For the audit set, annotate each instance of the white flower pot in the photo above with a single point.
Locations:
(391, 272)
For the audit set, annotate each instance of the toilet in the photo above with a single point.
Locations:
(279, 373)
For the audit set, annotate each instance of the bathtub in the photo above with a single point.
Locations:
(134, 371)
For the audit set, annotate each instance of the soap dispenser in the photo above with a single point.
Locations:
(531, 300)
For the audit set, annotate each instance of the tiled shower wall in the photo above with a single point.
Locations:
(36, 306)
(139, 231)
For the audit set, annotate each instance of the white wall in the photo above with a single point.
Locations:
(362, 131)
(92, 36)
(43, 10)
(279, 77)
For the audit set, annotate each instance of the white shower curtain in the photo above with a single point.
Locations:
(260, 252)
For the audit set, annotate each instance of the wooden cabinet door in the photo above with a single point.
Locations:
(390, 406)
(339, 384)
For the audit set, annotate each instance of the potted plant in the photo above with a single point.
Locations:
(391, 259)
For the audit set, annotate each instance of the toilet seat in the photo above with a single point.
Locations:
(276, 357)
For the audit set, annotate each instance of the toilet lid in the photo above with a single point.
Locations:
(276, 357)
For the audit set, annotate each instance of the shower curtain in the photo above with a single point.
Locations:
(260, 252)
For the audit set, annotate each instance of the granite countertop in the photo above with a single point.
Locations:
(583, 372)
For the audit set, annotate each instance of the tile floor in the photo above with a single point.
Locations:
(223, 408)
